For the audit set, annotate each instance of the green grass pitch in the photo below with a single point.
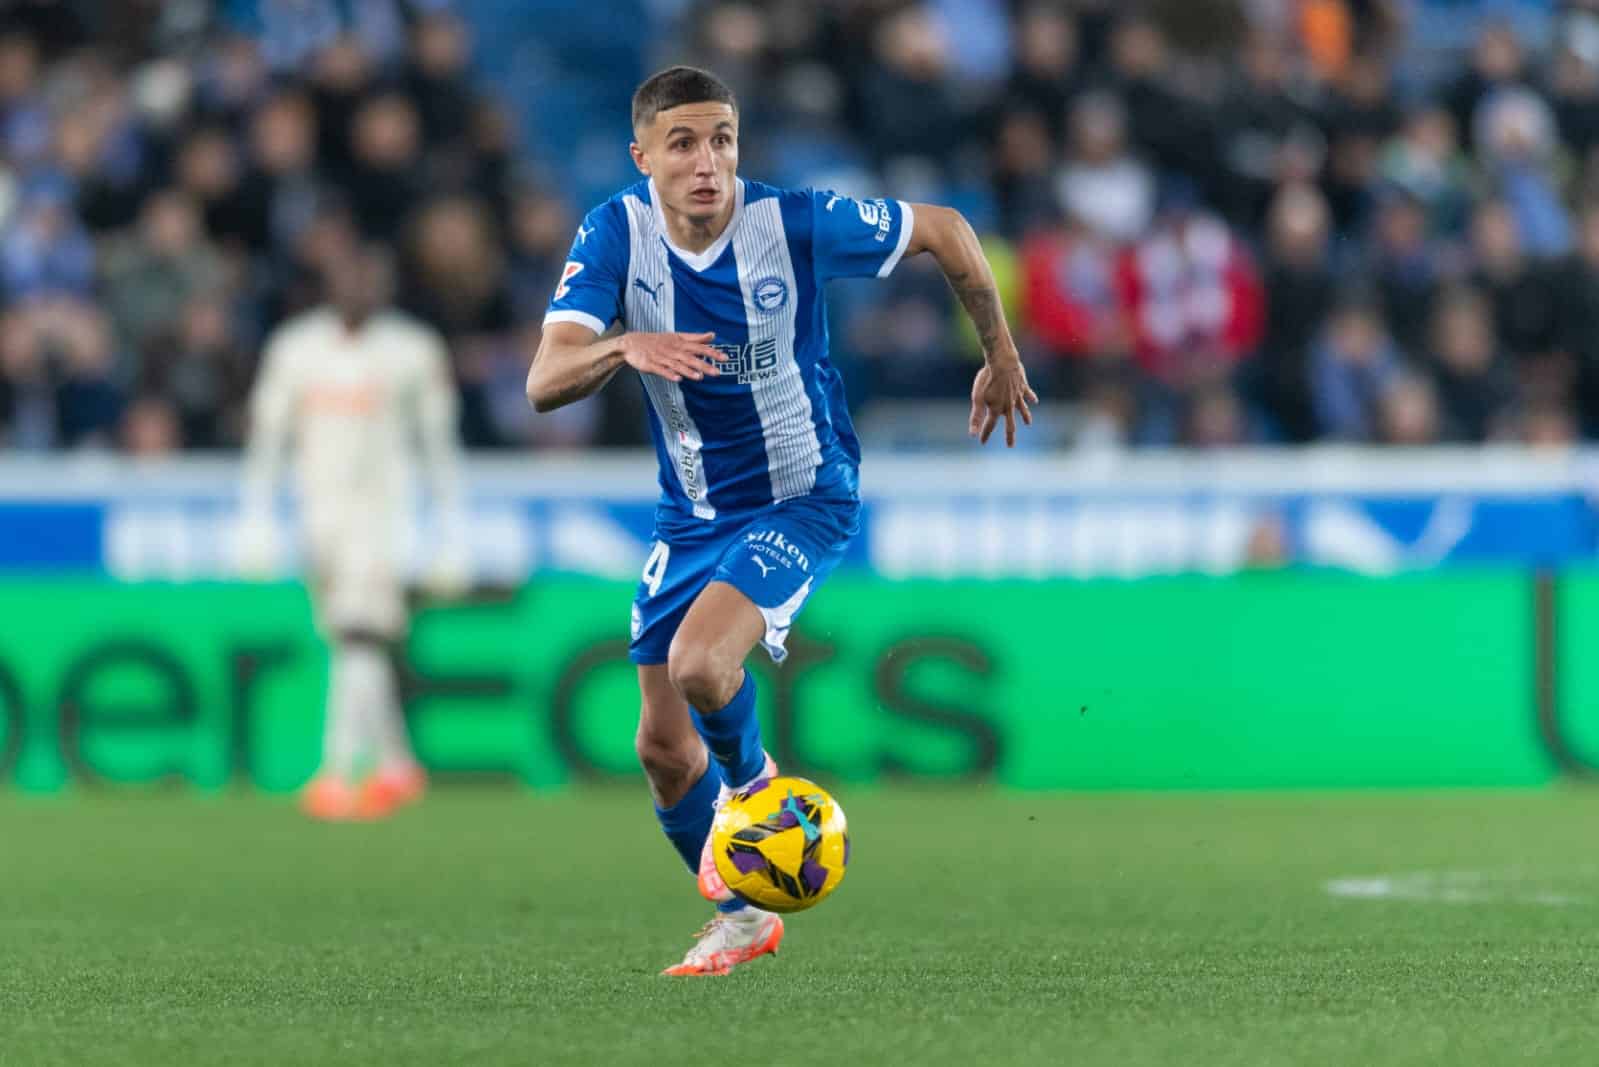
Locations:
(502, 927)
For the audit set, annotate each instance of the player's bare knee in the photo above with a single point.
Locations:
(703, 679)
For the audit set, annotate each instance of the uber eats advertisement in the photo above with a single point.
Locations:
(1286, 678)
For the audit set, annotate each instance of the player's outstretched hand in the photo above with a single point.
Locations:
(1000, 391)
(673, 356)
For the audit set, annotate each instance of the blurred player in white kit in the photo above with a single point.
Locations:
(358, 387)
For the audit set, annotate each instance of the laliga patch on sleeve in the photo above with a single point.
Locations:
(568, 272)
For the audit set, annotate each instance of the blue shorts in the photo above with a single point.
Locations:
(776, 557)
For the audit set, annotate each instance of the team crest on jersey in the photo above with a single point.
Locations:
(770, 293)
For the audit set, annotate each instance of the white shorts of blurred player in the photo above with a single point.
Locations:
(356, 580)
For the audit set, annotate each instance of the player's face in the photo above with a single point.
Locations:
(359, 285)
(692, 153)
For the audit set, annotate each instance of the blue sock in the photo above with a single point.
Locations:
(687, 822)
(733, 735)
(728, 906)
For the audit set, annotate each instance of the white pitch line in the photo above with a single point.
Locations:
(1448, 887)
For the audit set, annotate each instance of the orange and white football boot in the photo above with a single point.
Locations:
(390, 789)
(731, 938)
(330, 798)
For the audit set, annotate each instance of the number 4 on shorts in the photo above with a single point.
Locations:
(655, 566)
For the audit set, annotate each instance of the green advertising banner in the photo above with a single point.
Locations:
(1283, 679)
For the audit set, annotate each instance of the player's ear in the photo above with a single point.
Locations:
(639, 159)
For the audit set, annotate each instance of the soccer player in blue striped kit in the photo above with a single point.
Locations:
(711, 287)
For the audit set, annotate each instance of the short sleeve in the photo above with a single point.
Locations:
(858, 238)
(589, 291)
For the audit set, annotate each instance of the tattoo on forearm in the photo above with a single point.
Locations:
(982, 304)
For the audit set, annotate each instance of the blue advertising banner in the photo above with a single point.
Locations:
(997, 516)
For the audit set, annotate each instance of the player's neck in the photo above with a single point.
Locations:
(695, 235)
(353, 324)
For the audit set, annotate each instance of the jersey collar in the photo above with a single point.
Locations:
(699, 261)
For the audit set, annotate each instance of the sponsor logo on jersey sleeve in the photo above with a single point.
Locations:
(568, 272)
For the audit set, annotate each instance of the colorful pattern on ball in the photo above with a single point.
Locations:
(781, 843)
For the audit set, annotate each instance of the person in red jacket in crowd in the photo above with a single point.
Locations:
(1070, 300)
(1192, 295)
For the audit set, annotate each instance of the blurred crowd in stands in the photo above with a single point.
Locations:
(1214, 222)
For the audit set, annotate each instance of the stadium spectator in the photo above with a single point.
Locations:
(1352, 367)
(456, 280)
(539, 234)
(1023, 164)
(1192, 295)
(1548, 426)
(1425, 161)
(1300, 286)
(151, 427)
(105, 156)
(909, 105)
(1408, 412)
(906, 336)
(208, 169)
(1404, 265)
(1497, 62)
(279, 191)
(1518, 154)
(1164, 126)
(151, 274)
(1046, 77)
(1267, 134)
(342, 74)
(56, 356)
(1476, 386)
(1521, 291)
(1102, 184)
(1574, 87)
(1215, 418)
(1577, 288)
(384, 181)
(437, 78)
(1071, 303)
(204, 372)
(45, 251)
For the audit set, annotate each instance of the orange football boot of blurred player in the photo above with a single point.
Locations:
(330, 798)
(390, 789)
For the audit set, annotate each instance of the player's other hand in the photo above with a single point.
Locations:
(1000, 391)
(255, 548)
(673, 356)
(448, 576)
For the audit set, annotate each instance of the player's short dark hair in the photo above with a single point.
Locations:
(674, 87)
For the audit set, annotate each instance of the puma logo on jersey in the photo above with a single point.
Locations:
(583, 233)
(655, 293)
(568, 272)
(835, 198)
(762, 564)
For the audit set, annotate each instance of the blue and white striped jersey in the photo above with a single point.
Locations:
(774, 424)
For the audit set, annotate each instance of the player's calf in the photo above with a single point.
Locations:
(672, 762)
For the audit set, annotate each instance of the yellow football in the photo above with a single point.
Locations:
(781, 843)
